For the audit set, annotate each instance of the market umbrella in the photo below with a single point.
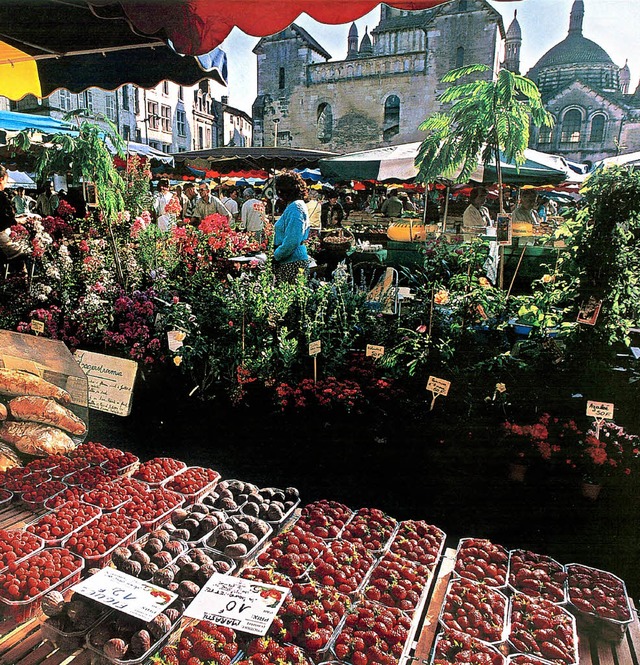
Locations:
(395, 162)
(242, 160)
(629, 159)
(12, 122)
(51, 44)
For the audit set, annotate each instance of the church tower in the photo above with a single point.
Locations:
(513, 44)
(352, 42)
(577, 17)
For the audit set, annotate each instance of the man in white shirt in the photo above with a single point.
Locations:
(253, 214)
(476, 217)
(231, 203)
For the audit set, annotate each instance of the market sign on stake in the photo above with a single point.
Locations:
(601, 411)
(244, 605)
(37, 326)
(375, 351)
(437, 387)
(175, 339)
(122, 592)
(315, 348)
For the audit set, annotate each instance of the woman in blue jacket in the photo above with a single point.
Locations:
(291, 230)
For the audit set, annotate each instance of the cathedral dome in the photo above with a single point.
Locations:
(573, 50)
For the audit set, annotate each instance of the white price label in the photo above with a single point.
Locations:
(315, 348)
(600, 410)
(375, 351)
(438, 386)
(175, 339)
(125, 593)
(245, 605)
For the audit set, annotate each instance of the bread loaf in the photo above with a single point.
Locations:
(47, 412)
(36, 439)
(14, 383)
(8, 458)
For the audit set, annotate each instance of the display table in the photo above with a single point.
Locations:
(24, 645)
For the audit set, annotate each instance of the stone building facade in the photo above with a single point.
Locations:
(596, 115)
(385, 87)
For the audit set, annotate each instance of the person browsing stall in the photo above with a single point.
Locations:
(252, 214)
(9, 250)
(526, 210)
(292, 229)
(331, 212)
(208, 204)
(392, 206)
(476, 217)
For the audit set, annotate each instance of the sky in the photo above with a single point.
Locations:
(613, 24)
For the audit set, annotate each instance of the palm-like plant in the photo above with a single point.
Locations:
(485, 118)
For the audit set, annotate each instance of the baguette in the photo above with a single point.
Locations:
(8, 458)
(35, 439)
(46, 412)
(3, 411)
(14, 383)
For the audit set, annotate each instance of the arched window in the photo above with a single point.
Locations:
(545, 135)
(391, 124)
(324, 127)
(459, 57)
(571, 125)
(597, 128)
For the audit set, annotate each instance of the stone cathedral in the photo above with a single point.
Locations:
(389, 82)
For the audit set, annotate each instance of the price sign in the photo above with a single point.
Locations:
(37, 326)
(600, 410)
(244, 605)
(438, 386)
(125, 593)
(175, 339)
(315, 348)
(375, 351)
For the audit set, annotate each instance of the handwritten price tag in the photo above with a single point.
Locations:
(37, 326)
(375, 351)
(175, 339)
(125, 593)
(244, 605)
(438, 386)
(315, 348)
(600, 410)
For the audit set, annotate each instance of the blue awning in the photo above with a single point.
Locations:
(12, 121)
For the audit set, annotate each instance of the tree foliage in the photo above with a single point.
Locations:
(484, 117)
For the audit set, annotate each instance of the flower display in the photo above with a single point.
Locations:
(610, 452)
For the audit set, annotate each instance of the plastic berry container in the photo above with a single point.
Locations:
(101, 559)
(176, 484)
(107, 496)
(523, 566)
(449, 643)
(5, 497)
(526, 659)
(45, 463)
(23, 480)
(122, 465)
(276, 525)
(371, 527)
(34, 499)
(66, 511)
(87, 478)
(245, 559)
(29, 544)
(611, 628)
(418, 543)
(20, 611)
(164, 468)
(474, 559)
(68, 467)
(153, 516)
(74, 493)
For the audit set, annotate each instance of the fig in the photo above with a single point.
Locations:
(292, 494)
(141, 557)
(228, 504)
(131, 567)
(248, 539)
(187, 589)
(274, 514)
(174, 547)
(53, 604)
(162, 559)
(161, 534)
(188, 571)
(235, 550)
(251, 509)
(140, 643)
(115, 648)
(205, 572)
(163, 577)
(200, 508)
(192, 526)
(148, 570)
(153, 546)
(225, 537)
(182, 534)
(200, 557)
(208, 524)
(222, 566)
(179, 515)
(119, 555)
(172, 613)
(159, 626)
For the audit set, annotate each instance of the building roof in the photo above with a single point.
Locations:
(302, 33)
(575, 49)
(514, 33)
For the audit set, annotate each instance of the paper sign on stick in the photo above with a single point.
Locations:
(375, 351)
(315, 348)
(37, 326)
(438, 386)
(126, 593)
(175, 339)
(245, 605)
(600, 410)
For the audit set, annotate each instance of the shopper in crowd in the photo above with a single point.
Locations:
(253, 214)
(407, 203)
(526, 210)
(349, 205)
(476, 217)
(9, 251)
(160, 203)
(48, 201)
(20, 202)
(190, 196)
(314, 208)
(230, 202)
(392, 206)
(208, 204)
(292, 229)
(332, 212)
